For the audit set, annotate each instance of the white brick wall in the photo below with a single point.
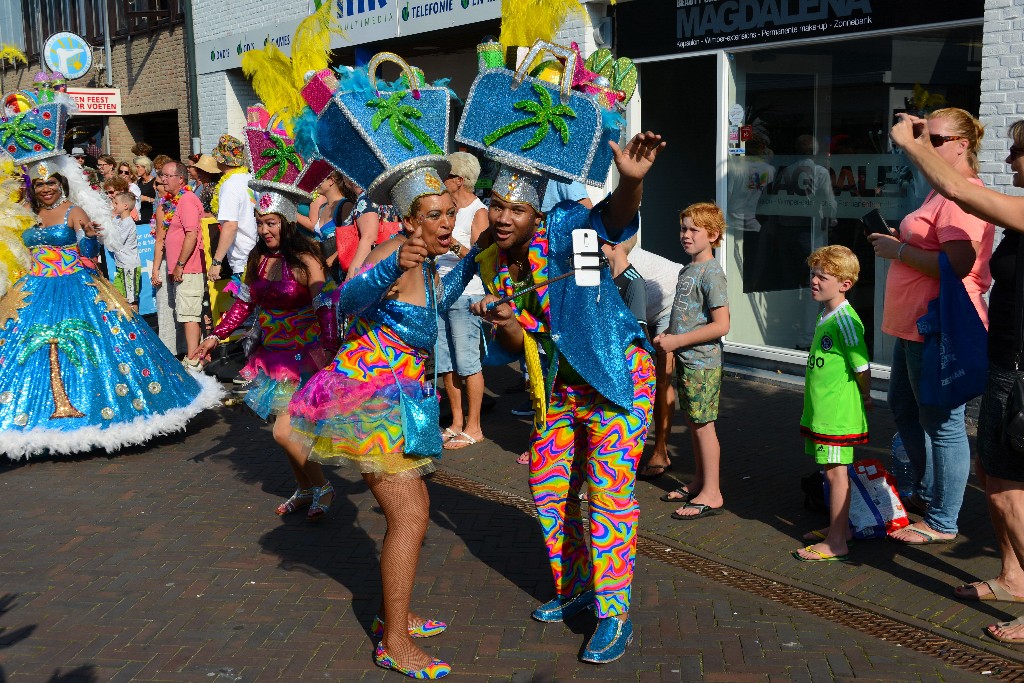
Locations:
(1002, 87)
(223, 98)
(215, 19)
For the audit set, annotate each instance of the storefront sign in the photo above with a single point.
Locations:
(96, 101)
(420, 16)
(69, 54)
(649, 29)
(226, 53)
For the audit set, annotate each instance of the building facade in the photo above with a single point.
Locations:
(779, 110)
(147, 66)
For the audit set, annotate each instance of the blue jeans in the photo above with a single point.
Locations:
(935, 439)
(458, 338)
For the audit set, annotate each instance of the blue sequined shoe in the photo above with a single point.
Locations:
(561, 608)
(609, 640)
(428, 628)
(436, 668)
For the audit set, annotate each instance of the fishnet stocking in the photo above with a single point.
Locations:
(406, 507)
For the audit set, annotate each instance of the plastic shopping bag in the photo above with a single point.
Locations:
(875, 506)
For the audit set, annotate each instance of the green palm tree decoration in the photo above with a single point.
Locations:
(67, 336)
(22, 132)
(545, 115)
(399, 117)
(280, 155)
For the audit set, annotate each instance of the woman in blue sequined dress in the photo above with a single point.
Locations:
(79, 369)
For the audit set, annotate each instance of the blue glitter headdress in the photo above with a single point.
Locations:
(33, 123)
(366, 131)
(558, 122)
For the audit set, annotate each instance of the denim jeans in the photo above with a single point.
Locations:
(458, 338)
(935, 439)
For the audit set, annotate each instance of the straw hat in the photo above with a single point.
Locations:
(208, 164)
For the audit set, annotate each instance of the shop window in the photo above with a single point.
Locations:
(812, 155)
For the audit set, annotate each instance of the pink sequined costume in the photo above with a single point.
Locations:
(292, 347)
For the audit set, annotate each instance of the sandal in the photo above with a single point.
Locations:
(1019, 621)
(996, 592)
(524, 458)
(460, 441)
(318, 509)
(684, 495)
(645, 473)
(448, 433)
(300, 499)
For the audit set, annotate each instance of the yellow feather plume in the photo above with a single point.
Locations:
(14, 220)
(274, 82)
(524, 22)
(311, 47)
(12, 54)
(278, 79)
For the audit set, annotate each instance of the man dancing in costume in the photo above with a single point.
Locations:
(599, 388)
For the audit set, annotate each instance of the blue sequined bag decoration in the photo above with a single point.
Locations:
(365, 131)
(522, 121)
(421, 415)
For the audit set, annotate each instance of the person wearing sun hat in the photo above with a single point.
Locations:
(232, 204)
(597, 391)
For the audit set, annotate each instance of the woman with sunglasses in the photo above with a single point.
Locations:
(1001, 470)
(935, 438)
(124, 170)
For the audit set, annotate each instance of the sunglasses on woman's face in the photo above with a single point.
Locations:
(940, 140)
(124, 171)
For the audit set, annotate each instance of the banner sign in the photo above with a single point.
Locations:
(655, 28)
(420, 16)
(96, 101)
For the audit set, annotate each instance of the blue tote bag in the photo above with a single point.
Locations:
(954, 360)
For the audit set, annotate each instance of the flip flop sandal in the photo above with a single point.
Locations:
(819, 535)
(1019, 621)
(524, 458)
(646, 475)
(702, 511)
(821, 557)
(447, 433)
(460, 441)
(929, 537)
(685, 496)
(997, 593)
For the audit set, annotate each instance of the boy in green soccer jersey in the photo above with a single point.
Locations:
(837, 394)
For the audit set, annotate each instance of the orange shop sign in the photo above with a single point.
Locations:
(97, 101)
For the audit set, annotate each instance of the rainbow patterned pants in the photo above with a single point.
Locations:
(587, 436)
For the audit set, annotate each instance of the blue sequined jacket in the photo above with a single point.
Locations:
(590, 326)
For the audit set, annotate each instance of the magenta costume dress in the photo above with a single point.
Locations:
(350, 411)
(290, 351)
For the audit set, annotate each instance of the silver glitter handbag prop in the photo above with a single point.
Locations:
(520, 120)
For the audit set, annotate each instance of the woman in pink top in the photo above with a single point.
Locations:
(935, 438)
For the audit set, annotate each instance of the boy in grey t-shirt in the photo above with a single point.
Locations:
(700, 318)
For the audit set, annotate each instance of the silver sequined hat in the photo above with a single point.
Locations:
(275, 201)
(520, 187)
(403, 184)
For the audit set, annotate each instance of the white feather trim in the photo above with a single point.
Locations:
(95, 204)
(24, 444)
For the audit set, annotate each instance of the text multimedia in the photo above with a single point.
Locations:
(741, 15)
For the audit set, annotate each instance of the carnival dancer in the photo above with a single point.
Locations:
(284, 287)
(597, 391)
(372, 408)
(79, 368)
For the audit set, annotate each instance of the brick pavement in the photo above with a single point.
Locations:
(167, 564)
